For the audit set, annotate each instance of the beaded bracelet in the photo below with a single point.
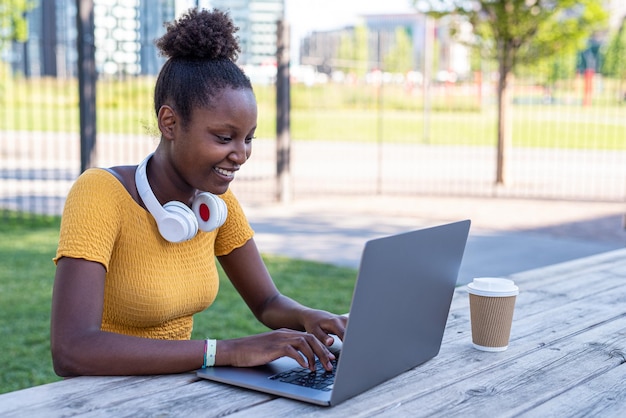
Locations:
(210, 348)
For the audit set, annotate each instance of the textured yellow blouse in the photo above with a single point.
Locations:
(153, 287)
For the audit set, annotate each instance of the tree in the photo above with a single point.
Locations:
(13, 25)
(400, 57)
(614, 63)
(353, 51)
(513, 32)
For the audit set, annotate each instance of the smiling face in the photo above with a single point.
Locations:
(206, 153)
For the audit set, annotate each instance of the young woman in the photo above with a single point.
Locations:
(136, 255)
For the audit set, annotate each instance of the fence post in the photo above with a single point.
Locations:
(283, 108)
(429, 44)
(86, 82)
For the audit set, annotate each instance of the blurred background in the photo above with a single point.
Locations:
(394, 98)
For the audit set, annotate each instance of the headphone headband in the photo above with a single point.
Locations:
(145, 191)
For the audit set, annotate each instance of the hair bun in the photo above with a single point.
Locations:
(200, 34)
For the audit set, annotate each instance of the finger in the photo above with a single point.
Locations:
(323, 354)
(314, 348)
(340, 331)
(328, 332)
(299, 346)
(324, 337)
(298, 357)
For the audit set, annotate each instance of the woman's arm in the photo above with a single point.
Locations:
(78, 345)
(248, 273)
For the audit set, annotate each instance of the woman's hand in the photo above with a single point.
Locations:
(322, 323)
(260, 349)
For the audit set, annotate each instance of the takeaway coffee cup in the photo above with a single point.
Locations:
(492, 301)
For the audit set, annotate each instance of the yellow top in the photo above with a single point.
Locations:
(153, 287)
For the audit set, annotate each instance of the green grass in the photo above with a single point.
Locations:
(344, 113)
(318, 285)
(26, 275)
(26, 278)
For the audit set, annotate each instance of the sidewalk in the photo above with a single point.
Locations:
(507, 236)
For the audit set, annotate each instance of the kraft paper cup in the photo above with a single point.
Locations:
(492, 301)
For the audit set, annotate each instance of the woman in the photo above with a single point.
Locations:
(133, 269)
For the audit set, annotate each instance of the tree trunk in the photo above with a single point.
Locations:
(283, 114)
(504, 125)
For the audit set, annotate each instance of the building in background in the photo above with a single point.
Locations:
(387, 35)
(323, 49)
(125, 31)
(256, 20)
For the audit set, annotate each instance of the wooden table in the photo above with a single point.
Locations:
(566, 358)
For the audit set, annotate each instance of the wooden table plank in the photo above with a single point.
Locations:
(566, 356)
(527, 381)
(520, 384)
(611, 260)
(169, 395)
(200, 399)
(603, 396)
(83, 394)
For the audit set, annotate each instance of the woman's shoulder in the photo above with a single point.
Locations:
(111, 180)
(125, 174)
(99, 188)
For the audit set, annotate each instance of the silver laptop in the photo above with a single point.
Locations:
(399, 307)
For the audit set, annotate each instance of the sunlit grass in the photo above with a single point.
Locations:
(364, 113)
(27, 274)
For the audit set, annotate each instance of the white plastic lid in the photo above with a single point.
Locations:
(493, 286)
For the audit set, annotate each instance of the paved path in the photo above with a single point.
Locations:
(507, 236)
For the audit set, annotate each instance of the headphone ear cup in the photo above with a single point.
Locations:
(210, 211)
(180, 224)
(176, 222)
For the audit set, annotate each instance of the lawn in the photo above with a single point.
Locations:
(26, 278)
(455, 115)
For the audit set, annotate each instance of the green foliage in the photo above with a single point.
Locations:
(550, 70)
(353, 51)
(564, 29)
(400, 58)
(13, 26)
(614, 63)
(27, 246)
(361, 50)
(525, 32)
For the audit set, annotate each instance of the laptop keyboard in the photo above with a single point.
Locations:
(320, 379)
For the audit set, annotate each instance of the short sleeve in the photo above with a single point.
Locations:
(236, 231)
(91, 217)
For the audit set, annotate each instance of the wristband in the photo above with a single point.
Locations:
(210, 348)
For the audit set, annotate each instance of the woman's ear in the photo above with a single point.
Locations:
(167, 120)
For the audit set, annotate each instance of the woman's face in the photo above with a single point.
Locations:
(217, 141)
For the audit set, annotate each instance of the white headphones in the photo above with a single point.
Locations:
(176, 222)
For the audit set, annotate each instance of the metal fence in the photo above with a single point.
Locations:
(373, 133)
